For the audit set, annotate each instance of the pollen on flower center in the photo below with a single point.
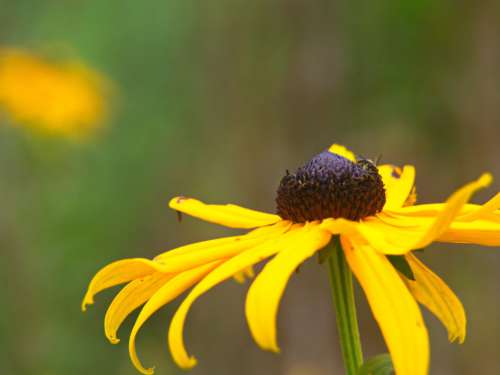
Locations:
(330, 185)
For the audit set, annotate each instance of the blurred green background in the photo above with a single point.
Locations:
(215, 100)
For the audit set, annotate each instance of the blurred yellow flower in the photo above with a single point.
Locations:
(371, 208)
(57, 98)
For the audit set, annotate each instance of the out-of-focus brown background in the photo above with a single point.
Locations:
(216, 100)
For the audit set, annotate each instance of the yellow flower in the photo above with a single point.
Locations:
(335, 193)
(56, 98)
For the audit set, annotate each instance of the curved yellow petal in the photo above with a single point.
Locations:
(178, 260)
(393, 307)
(398, 184)
(264, 295)
(194, 247)
(133, 295)
(393, 232)
(388, 238)
(480, 232)
(339, 226)
(433, 293)
(384, 236)
(431, 209)
(420, 210)
(116, 273)
(469, 211)
(179, 263)
(228, 215)
(210, 244)
(221, 273)
(342, 151)
(488, 208)
(493, 217)
(453, 207)
(169, 291)
(387, 234)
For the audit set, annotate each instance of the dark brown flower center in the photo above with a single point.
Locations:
(330, 185)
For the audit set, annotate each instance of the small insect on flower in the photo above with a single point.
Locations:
(56, 98)
(371, 208)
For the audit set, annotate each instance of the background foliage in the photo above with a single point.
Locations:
(215, 100)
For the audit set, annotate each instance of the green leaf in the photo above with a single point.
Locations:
(399, 262)
(378, 365)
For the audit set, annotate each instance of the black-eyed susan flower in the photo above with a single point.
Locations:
(369, 208)
(56, 98)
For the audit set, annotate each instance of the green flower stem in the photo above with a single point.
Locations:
(345, 307)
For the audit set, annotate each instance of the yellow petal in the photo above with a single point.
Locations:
(433, 293)
(210, 244)
(228, 215)
(398, 184)
(179, 263)
(453, 206)
(264, 295)
(488, 208)
(247, 273)
(223, 272)
(393, 307)
(169, 291)
(133, 295)
(342, 151)
(468, 212)
(480, 232)
(389, 238)
(239, 277)
(116, 273)
(178, 260)
(194, 247)
(384, 236)
(493, 217)
(421, 210)
(339, 226)
(395, 232)
(388, 234)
